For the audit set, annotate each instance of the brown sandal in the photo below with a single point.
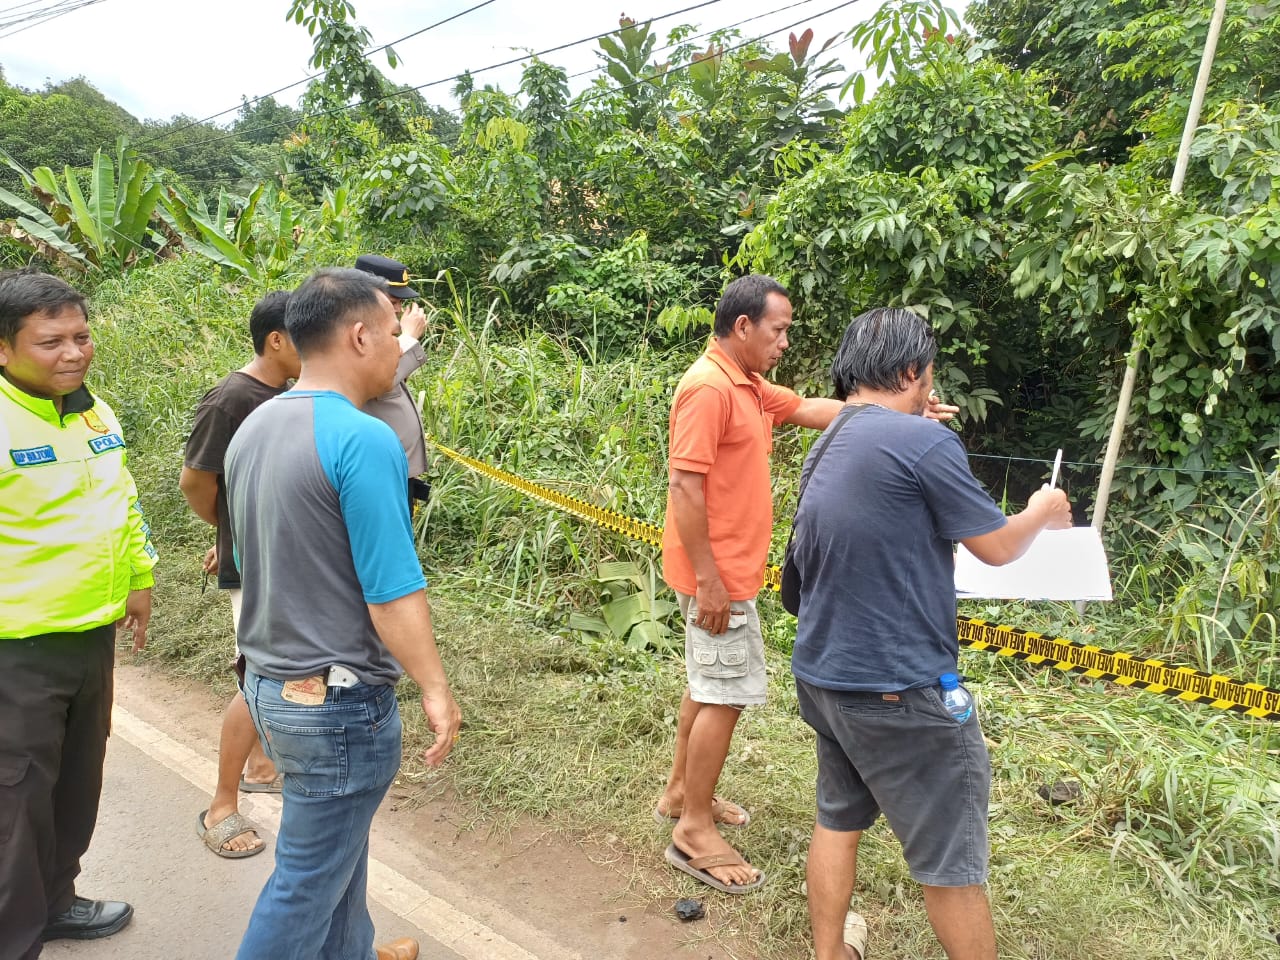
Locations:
(698, 868)
(720, 807)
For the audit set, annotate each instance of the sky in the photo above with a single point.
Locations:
(159, 58)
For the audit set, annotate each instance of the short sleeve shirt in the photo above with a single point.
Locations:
(316, 491)
(722, 421)
(874, 545)
(397, 410)
(218, 416)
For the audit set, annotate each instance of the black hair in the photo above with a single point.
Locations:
(28, 291)
(880, 349)
(748, 295)
(329, 299)
(267, 317)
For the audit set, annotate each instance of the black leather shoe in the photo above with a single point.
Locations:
(89, 920)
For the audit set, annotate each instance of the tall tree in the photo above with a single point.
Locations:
(339, 48)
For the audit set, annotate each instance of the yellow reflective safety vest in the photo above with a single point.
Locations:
(73, 541)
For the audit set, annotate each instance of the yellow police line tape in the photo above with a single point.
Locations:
(1180, 683)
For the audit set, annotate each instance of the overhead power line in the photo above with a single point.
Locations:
(592, 99)
(708, 33)
(366, 55)
(19, 6)
(35, 18)
(433, 83)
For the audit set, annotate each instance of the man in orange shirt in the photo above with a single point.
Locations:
(715, 544)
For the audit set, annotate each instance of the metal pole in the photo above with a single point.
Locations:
(1175, 188)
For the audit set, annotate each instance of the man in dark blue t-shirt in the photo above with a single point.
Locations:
(873, 543)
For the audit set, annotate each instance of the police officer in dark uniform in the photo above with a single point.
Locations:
(396, 408)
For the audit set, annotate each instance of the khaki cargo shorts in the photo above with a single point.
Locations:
(727, 668)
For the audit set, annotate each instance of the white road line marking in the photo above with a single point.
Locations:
(458, 931)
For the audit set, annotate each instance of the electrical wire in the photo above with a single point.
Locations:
(28, 3)
(38, 18)
(707, 33)
(1146, 468)
(581, 101)
(433, 83)
(366, 55)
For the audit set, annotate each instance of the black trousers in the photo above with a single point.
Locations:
(55, 714)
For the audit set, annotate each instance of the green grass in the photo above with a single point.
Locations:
(1172, 849)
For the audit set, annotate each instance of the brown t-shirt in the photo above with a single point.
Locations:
(218, 417)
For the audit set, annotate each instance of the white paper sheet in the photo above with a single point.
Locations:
(1059, 565)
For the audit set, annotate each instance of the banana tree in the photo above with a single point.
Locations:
(254, 236)
(114, 227)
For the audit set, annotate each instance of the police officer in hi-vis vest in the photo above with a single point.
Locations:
(77, 562)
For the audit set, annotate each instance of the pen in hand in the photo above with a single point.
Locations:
(1057, 466)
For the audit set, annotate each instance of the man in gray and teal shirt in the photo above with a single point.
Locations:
(333, 611)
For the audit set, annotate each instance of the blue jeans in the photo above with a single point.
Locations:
(338, 759)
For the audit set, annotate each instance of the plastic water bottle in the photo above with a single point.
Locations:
(955, 698)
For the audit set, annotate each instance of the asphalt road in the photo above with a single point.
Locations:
(187, 903)
(463, 891)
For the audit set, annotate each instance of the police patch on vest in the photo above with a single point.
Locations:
(33, 456)
(109, 442)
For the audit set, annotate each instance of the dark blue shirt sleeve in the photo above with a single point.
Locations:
(961, 508)
(366, 465)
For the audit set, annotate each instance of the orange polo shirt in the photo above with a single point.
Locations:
(722, 421)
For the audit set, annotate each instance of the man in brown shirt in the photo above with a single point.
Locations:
(241, 763)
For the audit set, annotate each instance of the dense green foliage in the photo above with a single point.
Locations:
(962, 189)
(66, 122)
(1173, 840)
(1013, 187)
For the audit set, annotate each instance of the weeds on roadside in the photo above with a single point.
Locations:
(1170, 849)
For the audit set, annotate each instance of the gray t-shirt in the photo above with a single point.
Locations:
(873, 543)
(316, 493)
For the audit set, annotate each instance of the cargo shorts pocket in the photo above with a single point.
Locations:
(721, 657)
(13, 770)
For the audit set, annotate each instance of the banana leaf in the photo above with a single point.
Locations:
(102, 201)
(625, 612)
(45, 241)
(178, 206)
(218, 253)
(88, 227)
(24, 207)
(44, 184)
(587, 623)
(650, 634)
(243, 235)
(141, 210)
(619, 570)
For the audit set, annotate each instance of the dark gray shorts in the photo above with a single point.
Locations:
(908, 758)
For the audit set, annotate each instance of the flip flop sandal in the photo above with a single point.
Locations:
(229, 826)
(697, 867)
(855, 933)
(719, 807)
(270, 786)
